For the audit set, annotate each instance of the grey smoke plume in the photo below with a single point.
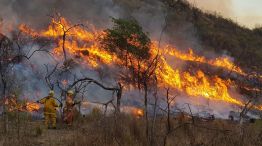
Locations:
(150, 14)
(35, 13)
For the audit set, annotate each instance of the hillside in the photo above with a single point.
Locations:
(127, 73)
(215, 33)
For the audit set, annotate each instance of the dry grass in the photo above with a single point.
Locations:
(125, 130)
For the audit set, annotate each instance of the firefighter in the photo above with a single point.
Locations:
(50, 106)
(69, 108)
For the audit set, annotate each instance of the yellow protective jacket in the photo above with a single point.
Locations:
(49, 105)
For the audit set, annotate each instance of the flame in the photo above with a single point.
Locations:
(134, 111)
(137, 112)
(31, 106)
(197, 85)
(14, 105)
(223, 62)
(84, 44)
(25, 29)
(89, 51)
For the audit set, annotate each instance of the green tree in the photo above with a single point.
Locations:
(128, 41)
(130, 44)
(127, 38)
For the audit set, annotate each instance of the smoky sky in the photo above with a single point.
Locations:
(35, 12)
(246, 13)
(98, 12)
(223, 7)
(149, 14)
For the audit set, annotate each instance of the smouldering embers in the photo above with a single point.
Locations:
(84, 44)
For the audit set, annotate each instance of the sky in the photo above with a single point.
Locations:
(246, 12)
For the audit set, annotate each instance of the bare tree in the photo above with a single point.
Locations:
(11, 53)
(117, 90)
(169, 102)
(65, 29)
(7, 60)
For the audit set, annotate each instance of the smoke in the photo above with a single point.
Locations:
(150, 14)
(251, 21)
(248, 15)
(35, 13)
(223, 7)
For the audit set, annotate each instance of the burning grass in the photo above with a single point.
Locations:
(85, 44)
(75, 44)
(13, 104)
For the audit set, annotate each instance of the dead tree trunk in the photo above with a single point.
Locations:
(5, 116)
(169, 127)
(64, 51)
(146, 110)
(152, 141)
(168, 123)
(119, 96)
(168, 112)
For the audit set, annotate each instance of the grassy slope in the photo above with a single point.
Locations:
(215, 33)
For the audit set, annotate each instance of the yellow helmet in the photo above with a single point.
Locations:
(70, 92)
(51, 92)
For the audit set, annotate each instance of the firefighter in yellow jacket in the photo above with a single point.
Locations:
(50, 106)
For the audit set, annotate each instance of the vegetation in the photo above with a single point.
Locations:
(97, 129)
(128, 41)
(216, 33)
(125, 38)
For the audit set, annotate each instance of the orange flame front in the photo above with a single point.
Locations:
(84, 44)
(223, 62)
(14, 105)
(138, 112)
(31, 106)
